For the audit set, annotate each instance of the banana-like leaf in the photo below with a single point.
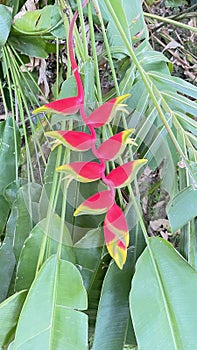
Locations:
(113, 311)
(51, 317)
(9, 313)
(38, 22)
(163, 299)
(5, 24)
(27, 264)
(8, 160)
(182, 208)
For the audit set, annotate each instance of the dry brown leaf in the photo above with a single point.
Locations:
(29, 5)
(42, 79)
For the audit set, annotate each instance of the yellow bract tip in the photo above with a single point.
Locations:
(40, 109)
(119, 99)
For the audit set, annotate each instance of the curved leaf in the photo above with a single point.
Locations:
(50, 318)
(9, 313)
(83, 171)
(5, 24)
(27, 265)
(113, 312)
(163, 299)
(124, 174)
(97, 204)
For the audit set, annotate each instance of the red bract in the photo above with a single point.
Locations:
(83, 171)
(74, 140)
(65, 106)
(116, 234)
(103, 114)
(97, 204)
(115, 145)
(124, 174)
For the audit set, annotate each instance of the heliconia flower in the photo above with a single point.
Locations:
(99, 203)
(115, 145)
(103, 114)
(116, 234)
(74, 140)
(124, 174)
(83, 171)
(69, 105)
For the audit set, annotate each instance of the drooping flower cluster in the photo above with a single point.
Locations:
(115, 227)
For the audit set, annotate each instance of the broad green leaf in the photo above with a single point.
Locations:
(88, 252)
(25, 210)
(51, 317)
(112, 32)
(5, 23)
(48, 182)
(182, 208)
(163, 299)
(135, 19)
(113, 312)
(8, 158)
(26, 268)
(9, 313)
(29, 45)
(38, 22)
(7, 258)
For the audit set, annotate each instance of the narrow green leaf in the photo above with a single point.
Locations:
(182, 208)
(9, 313)
(50, 317)
(163, 299)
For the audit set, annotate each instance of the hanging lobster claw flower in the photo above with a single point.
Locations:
(103, 114)
(82, 171)
(69, 105)
(124, 174)
(115, 145)
(74, 140)
(99, 203)
(116, 234)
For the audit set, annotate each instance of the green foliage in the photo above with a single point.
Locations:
(54, 301)
(5, 24)
(165, 306)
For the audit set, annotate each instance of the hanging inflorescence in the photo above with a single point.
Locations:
(115, 227)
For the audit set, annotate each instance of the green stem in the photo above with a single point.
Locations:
(95, 57)
(171, 21)
(50, 210)
(83, 31)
